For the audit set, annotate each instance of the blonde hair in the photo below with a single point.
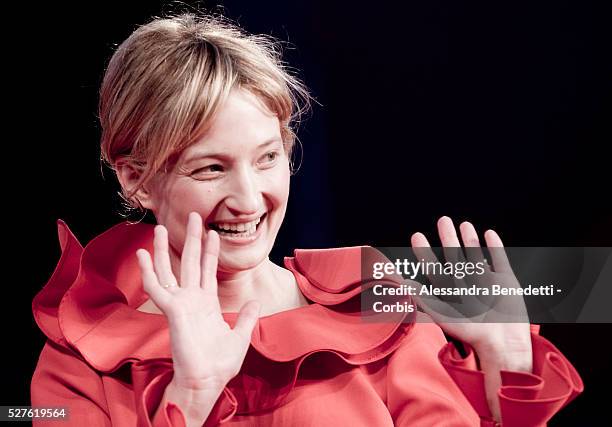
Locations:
(166, 81)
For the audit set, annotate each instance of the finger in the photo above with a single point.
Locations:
(210, 261)
(161, 257)
(422, 251)
(247, 318)
(501, 264)
(190, 259)
(474, 254)
(149, 280)
(421, 248)
(450, 241)
(469, 235)
(471, 242)
(447, 232)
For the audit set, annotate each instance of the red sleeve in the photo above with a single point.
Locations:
(62, 379)
(151, 377)
(420, 393)
(526, 399)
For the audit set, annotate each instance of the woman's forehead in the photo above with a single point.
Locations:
(241, 124)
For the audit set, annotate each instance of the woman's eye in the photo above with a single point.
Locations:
(270, 157)
(208, 169)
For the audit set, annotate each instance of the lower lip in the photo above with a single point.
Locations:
(241, 241)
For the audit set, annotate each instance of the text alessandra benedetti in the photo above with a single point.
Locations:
(382, 290)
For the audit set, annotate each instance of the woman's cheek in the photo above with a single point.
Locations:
(197, 196)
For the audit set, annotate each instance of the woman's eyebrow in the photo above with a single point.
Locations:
(203, 153)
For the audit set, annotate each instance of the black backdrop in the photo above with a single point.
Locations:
(497, 113)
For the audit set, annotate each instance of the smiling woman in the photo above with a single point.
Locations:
(188, 322)
(236, 177)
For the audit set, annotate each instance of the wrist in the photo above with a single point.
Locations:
(200, 394)
(195, 403)
(504, 357)
(197, 387)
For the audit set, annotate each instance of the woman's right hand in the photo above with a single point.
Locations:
(206, 352)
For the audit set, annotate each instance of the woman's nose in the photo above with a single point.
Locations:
(245, 195)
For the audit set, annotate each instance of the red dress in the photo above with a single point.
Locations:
(316, 365)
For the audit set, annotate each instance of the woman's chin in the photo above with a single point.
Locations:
(242, 261)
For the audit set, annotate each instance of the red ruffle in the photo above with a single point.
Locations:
(94, 292)
(526, 399)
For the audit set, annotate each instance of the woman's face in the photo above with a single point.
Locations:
(236, 177)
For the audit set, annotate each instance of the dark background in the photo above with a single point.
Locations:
(493, 112)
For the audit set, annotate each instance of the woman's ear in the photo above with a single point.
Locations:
(128, 175)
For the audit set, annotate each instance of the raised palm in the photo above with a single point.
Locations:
(206, 351)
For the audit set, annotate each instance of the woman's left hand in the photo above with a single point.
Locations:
(499, 346)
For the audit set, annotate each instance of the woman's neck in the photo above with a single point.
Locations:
(274, 287)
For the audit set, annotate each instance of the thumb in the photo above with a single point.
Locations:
(247, 318)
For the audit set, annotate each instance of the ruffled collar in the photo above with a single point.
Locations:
(90, 301)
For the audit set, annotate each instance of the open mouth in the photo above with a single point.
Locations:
(237, 230)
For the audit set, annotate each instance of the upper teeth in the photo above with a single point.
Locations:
(243, 226)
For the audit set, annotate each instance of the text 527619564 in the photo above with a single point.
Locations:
(28, 413)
